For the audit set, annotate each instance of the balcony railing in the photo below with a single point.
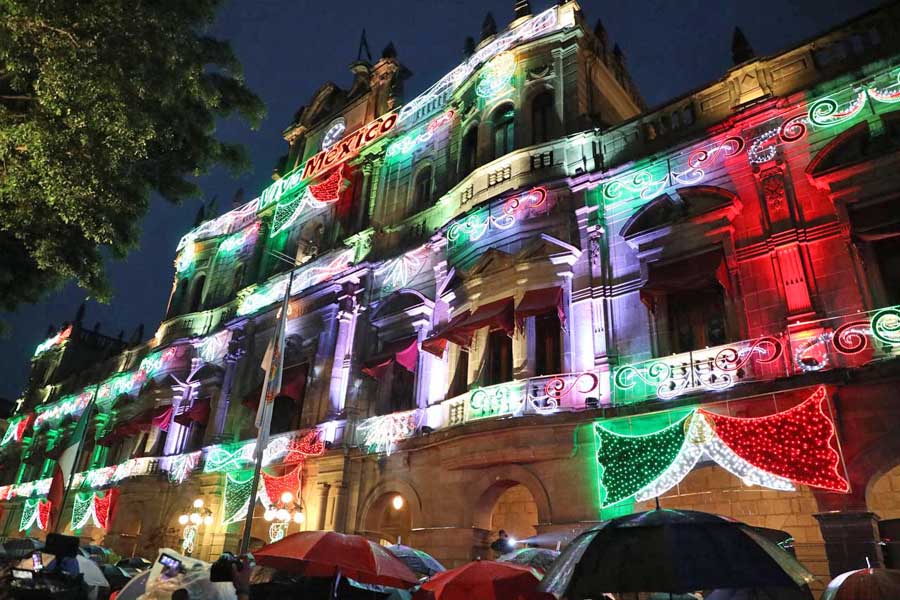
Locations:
(837, 342)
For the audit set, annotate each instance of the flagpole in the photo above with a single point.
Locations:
(78, 452)
(266, 400)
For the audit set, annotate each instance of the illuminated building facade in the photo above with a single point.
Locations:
(524, 301)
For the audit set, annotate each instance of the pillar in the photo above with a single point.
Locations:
(341, 499)
(324, 490)
(216, 434)
(851, 538)
(343, 353)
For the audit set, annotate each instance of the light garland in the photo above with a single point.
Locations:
(381, 433)
(93, 506)
(436, 97)
(409, 142)
(398, 272)
(237, 241)
(233, 220)
(313, 198)
(273, 488)
(180, 466)
(68, 406)
(290, 448)
(238, 485)
(35, 512)
(213, 348)
(59, 339)
(827, 112)
(495, 401)
(496, 77)
(799, 444)
(15, 430)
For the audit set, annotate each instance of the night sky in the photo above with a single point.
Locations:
(289, 48)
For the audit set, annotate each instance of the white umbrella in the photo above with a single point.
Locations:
(134, 588)
(92, 574)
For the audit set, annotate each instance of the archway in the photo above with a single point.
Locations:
(389, 519)
(515, 512)
(883, 499)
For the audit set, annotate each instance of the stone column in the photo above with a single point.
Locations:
(341, 498)
(343, 352)
(850, 539)
(216, 434)
(431, 380)
(324, 490)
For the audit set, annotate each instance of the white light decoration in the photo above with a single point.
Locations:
(334, 133)
(397, 502)
(381, 434)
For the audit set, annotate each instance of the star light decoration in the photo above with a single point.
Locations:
(798, 445)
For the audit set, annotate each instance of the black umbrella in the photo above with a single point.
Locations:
(670, 551)
(780, 593)
(19, 548)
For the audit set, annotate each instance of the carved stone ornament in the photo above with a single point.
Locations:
(773, 189)
(540, 72)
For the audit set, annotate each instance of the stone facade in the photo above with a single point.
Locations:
(488, 273)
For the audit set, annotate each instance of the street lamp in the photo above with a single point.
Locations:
(281, 514)
(192, 522)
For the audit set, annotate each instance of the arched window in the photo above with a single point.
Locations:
(468, 152)
(422, 190)
(542, 117)
(503, 126)
(197, 293)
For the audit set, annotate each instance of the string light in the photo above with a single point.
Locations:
(497, 75)
(59, 339)
(15, 430)
(239, 240)
(628, 463)
(312, 198)
(798, 444)
(238, 485)
(495, 401)
(35, 512)
(69, 406)
(888, 95)
(180, 466)
(398, 272)
(409, 142)
(381, 433)
(827, 112)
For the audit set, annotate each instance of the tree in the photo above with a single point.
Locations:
(103, 103)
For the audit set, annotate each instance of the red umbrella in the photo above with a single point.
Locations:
(484, 580)
(331, 554)
(864, 584)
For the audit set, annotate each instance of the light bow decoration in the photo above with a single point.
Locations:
(382, 433)
(496, 79)
(311, 198)
(59, 339)
(473, 227)
(15, 429)
(798, 445)
(35, 512)
(97, 507)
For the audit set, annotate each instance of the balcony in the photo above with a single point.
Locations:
(848, 341)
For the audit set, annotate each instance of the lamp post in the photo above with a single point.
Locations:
(281, 514)
(191, 522)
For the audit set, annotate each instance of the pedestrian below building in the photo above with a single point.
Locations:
(503, 544)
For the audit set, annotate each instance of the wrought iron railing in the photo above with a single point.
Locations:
(846, 341)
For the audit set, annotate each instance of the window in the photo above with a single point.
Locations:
(468, 151)
(887, 252)
(498, 358)
(696, 319)
(503, 124)
(197, 294)
(196, 432)
(541, 117)
(403, 389)
(547, 344)
(460, 382)
(422, 190)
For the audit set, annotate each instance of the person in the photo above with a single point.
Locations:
(240, 577)
(503, 544)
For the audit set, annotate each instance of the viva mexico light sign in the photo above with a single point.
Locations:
(345, 149)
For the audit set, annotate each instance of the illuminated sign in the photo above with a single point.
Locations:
(341, 151)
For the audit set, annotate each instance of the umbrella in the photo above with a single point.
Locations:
(539, 558)
(134, 588)
(331, 554)
(671, 551)
(775, 593)
(484, 580)
(21, 547)
(420, 562)
(93, 576)
(864, 584)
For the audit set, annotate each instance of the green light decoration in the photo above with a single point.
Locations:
(15, 429)
(628, 463)
(188, 253)
(889, 94)
(497, 75)
(224, 458)
(82, 510)
(54, 414)
(239, 240)
(56, 340)
(827, 111)
(35, 512)
(237, 495)
(886, 326)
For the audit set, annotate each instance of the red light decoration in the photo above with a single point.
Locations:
(330, 189)
(274, 487)
(799, 444)
(104, 506)
(310, 444)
